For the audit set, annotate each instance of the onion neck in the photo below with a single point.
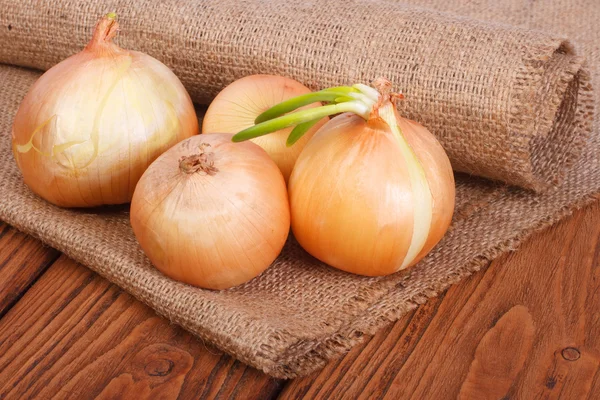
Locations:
(106, 29)
(202, 162)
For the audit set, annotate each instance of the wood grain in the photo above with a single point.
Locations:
(526, 327)
(500, 356)
(75, 335)
(22, 260)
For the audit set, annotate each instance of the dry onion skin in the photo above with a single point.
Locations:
(238, 105)
(90, 126)
(372, 193)
(211, 213)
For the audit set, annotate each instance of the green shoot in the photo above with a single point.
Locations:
(299, 131)
(358, 99)
(297, 118)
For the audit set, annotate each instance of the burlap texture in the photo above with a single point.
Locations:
(494, 94)
(499, 99)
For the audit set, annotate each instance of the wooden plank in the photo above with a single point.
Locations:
(22, 260)
(75, 335)
(526, 327)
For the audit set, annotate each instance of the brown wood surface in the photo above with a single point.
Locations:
(75, 335)
(526, 327)
(22, 260)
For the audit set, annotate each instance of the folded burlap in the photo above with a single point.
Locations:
(507, 103)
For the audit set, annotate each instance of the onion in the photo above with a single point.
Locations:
(211, 213)
(89, 127)
(372, 192)
(236, 107)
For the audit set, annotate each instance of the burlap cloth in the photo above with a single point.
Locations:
(507, 103)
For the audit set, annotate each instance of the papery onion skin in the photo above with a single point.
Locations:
(440, 178)
(351, 199)
(214, 229)
(90, 126)
(236, 107)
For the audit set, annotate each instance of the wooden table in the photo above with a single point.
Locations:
(526, 327)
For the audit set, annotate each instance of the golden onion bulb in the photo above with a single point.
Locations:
(90, 126)
(236, 107)
(366, 217)
(210, 212)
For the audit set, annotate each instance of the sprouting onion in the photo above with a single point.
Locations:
(372, 192)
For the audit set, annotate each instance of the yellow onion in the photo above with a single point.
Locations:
(89, 127)
(236, 107)
(372, 192)
(210, 212)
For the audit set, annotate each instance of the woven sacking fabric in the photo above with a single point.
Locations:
(499, 99)
(505, 91)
